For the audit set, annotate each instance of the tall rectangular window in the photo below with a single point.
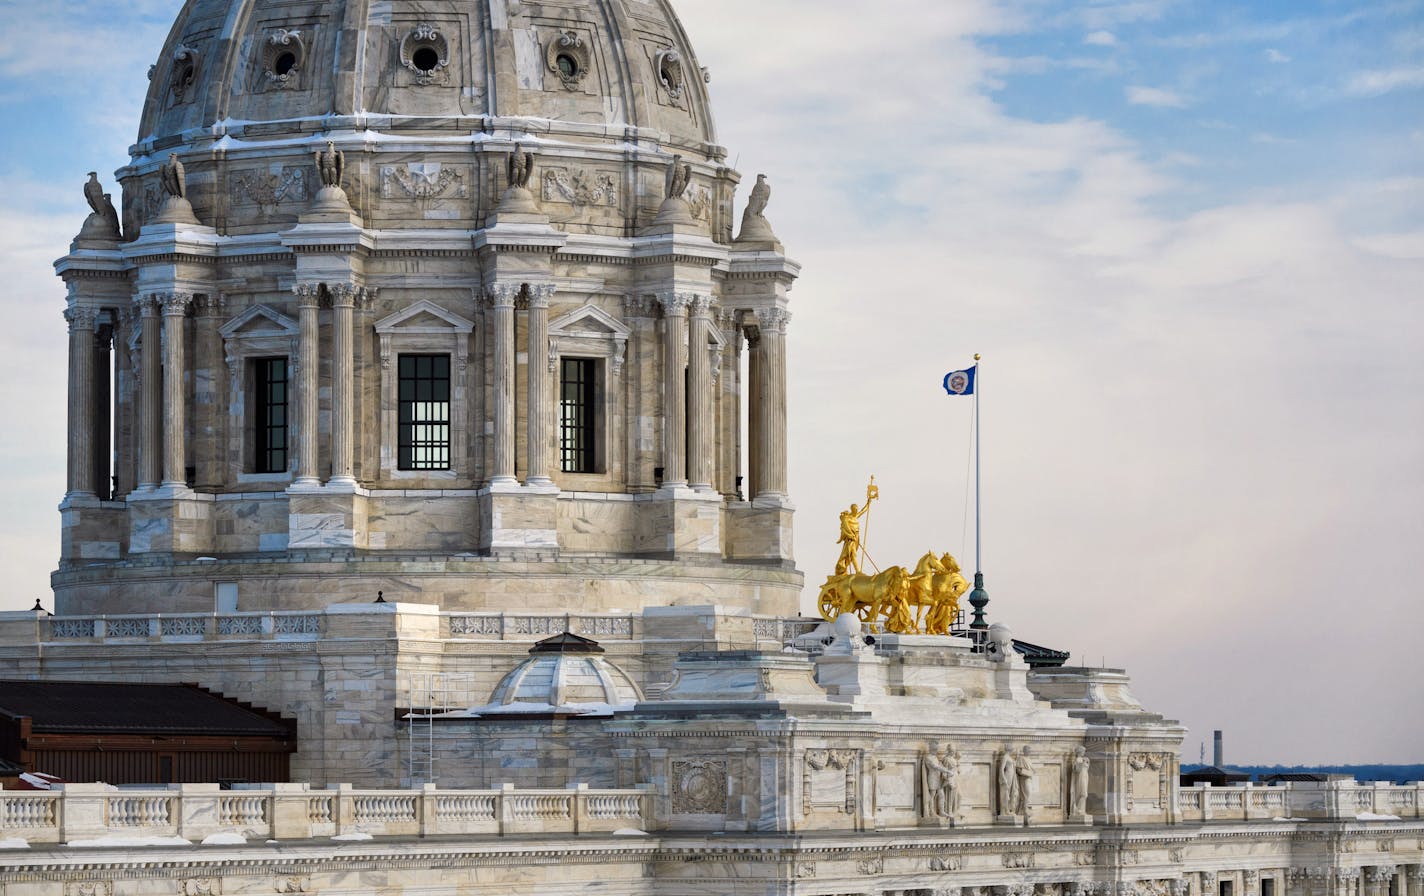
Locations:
(578, 415)
(270, 422)
(423, 436)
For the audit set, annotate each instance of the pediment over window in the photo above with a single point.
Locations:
(423, 316)
(589, 321)
(259, 320)
(588, 330)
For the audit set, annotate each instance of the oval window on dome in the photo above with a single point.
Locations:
(567, 56)
(284, 52)
(425, 53)
(285, 63)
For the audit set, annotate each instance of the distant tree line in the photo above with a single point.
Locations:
(1397, 774)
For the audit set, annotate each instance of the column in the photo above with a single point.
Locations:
(150, 462)
(209, 452)
(755, 464)
(502, 327)
(125, 402)
(539, 411)
(729, 433)
(699, 389)
(343, 309)
(81, 401)
(175, 309)
(674, 389)
(1412, 877)
(102, 425)
(308, 332)
(773, 400)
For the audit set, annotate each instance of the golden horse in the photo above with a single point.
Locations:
(936, 583)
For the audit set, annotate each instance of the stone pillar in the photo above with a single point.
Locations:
(502, 383)
(755, 375)
(102, 426)
(125, 402)
(308, 304)
(81, 401)
(1412, 878)
(538, 415)
(699, 390)
(771, 401)
(343, 307)
(638, 376)
(674, 389)
(729, 431)
(150, 462)
(209, 457)
(175, 418)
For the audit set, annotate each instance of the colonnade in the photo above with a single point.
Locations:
(690, 450)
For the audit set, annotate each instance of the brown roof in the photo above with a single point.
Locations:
(83, 707)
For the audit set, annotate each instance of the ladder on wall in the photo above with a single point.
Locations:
(431, 693)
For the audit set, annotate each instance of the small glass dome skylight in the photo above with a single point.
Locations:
(564, 674)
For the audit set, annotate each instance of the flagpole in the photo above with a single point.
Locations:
(978, 598)
(978, 386)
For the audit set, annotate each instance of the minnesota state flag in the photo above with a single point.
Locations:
(960, 382)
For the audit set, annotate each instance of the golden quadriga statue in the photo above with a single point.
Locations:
(922, 601)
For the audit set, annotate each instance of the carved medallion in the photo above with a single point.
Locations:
(422, 180)
(580, 188)
(268, 190)
(699, 786)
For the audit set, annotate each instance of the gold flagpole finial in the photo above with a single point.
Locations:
(977, 356)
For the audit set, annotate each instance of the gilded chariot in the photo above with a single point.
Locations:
(924, 600)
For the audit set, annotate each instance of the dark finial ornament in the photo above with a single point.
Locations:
(380, 597)
(978, 598)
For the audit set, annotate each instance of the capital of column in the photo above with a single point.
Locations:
(1178, 887)
(81, 318)
(503, 295)
(1378, 874)
(639, 306)
(174, 304)
(540, 294)
(346, 295)
(147, 304)
(774, 320)
(308, 294)
(700, 305)
(675, 303)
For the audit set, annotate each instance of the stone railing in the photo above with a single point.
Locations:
(1300, 799)
(295, 812)
(299, 625)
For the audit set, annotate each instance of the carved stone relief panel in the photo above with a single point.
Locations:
(579, 187)
(270, 189)
(424, 180)
(699, 786)
(88, 888)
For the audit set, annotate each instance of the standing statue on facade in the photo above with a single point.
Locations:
(941, 783)
(1023, 771)
(520, 167)
(1078, 783)
(330, 165)
(1008, 783)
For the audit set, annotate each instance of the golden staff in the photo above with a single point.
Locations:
(871, 493)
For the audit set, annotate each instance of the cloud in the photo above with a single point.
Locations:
(1382, 81)
(1274, 55)
(1100, 39)
(1155, 96)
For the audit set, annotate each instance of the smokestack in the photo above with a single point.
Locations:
(1216, 748)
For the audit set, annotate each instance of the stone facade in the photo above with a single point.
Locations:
(326, 200)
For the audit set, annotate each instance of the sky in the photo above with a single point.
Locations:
(1187, 238)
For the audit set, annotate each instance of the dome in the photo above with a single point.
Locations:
(426, 101)
(564, 674)
(614, 70)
